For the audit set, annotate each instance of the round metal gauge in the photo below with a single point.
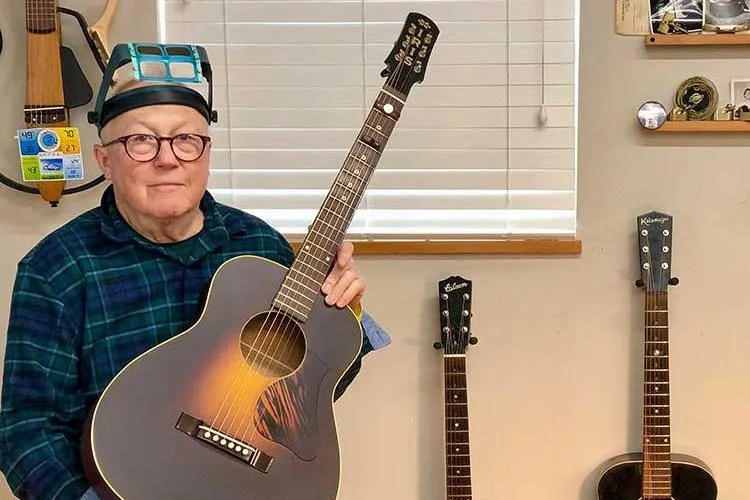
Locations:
(698, 96)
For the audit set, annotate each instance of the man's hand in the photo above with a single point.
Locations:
(344, 286)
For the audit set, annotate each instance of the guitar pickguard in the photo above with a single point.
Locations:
(288, 410)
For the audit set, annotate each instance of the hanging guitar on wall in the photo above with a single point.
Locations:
(454, 300)
(55, 82)
(656, 473)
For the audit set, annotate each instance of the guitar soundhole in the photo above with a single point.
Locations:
(273, 344)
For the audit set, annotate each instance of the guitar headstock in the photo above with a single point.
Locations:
(455, 314)
(655, 250)
(407, 62)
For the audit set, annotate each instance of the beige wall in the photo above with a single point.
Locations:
(555, 379)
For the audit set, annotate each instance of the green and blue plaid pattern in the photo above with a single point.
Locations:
(89, 298)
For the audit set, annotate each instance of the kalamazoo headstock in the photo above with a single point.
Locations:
(407, 62)
(655, 251)
(455, 315)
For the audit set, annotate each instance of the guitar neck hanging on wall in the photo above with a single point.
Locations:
(55, 81)
(45, 98)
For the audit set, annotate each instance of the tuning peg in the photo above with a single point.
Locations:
(385, 72)
(639, 283)
(473, 340)
(437, 345)
(674, 281)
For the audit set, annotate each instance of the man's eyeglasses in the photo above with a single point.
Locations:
(145, 147)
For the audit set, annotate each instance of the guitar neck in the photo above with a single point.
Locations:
(317, 252)
(657, 466)
(45, 99)
(457, 457)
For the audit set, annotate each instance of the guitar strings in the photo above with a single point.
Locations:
(448, 408)
(266, 332)
(656, 303)
(344, 205)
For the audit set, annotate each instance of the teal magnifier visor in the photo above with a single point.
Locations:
(170, 67)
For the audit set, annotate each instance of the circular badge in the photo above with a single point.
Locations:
(48, 140)
(698, 96)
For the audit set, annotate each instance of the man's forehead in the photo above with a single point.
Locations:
(159, 117)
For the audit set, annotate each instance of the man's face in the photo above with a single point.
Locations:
(164, 188)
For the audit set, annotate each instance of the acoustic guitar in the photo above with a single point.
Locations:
(656, 473)
(241, 404)
(455, 333)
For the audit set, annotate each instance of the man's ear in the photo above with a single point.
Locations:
(102, 158)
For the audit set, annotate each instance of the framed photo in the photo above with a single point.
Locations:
(740, 92)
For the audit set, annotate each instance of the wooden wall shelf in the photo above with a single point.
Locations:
(705, 126)
(698, 39)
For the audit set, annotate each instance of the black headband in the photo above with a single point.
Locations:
(152, 95)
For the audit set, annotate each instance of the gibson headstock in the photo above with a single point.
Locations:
(655, 251)
(407, 62)
(455, 315)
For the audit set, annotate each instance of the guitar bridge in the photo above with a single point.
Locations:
(236, 448)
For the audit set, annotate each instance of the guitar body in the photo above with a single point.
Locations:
(134, 448)
(621, 479)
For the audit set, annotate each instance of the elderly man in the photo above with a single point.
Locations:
(124, 277)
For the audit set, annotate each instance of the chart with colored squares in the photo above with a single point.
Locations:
(50, 154)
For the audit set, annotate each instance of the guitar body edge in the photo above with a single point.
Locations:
(133, 449)
(621, 478)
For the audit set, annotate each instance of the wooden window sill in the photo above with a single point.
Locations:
(460, 247)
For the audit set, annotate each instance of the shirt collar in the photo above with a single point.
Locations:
(213, 235)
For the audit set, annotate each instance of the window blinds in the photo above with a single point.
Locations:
(470, 156)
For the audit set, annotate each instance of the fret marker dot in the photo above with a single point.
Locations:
(363, 157)
(343, 198)
(656, 389)
(307, 247)
(458, 471)
(356, 171)
(455, 396)
(388, 108)
(648, 440)
(328, 259)
(666, 440)
(656, 411)
(349, 185)
(455, 425)
(378, 127)
(656, 352)
(457, 449)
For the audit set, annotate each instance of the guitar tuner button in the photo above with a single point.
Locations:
(674, 281)
(473, 340)
(437, 345)
(639, 283)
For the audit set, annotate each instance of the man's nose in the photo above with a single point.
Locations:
(166, 157)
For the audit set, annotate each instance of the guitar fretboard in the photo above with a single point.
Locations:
(301, 285)
(457, 458)
(41, 16)
(657, 465)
